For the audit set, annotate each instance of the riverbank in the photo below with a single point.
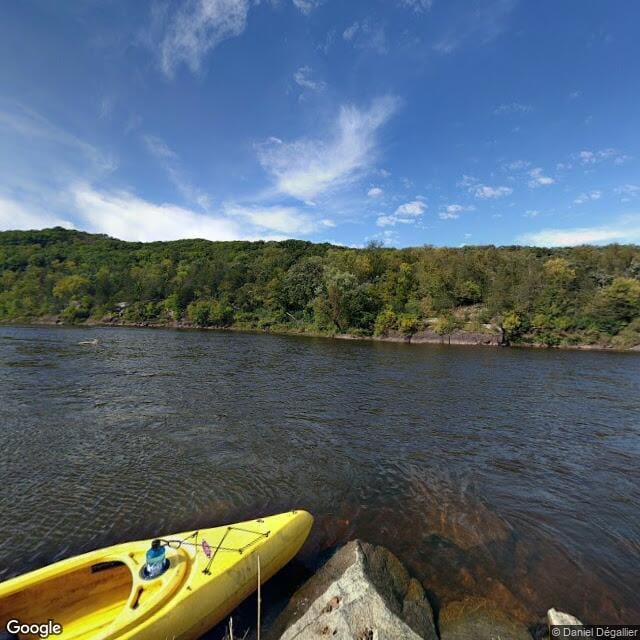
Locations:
(577, 298)
(492, 336)
(364, 591)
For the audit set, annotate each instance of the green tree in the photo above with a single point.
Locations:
(446, 324)
(616, 305)
(386, 321)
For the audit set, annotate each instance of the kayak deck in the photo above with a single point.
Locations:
(103, 596)
(83, 601)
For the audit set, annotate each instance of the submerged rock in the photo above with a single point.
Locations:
(479, 619)
(362, 593)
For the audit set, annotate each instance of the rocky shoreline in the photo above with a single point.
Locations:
(364, 592)
(493, 337)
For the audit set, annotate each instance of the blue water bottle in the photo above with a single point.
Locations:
(155, 565)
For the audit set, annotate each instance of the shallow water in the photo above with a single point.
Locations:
(509, 473)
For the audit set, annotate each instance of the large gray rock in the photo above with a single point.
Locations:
(559, 618)
(362, 593)
(478, 619)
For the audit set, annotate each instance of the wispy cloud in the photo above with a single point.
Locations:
(304, 78)
(516, 165)
(287, 220)
(483, 191)
(307, 6)
(15, 215)
(27, 123)
(366, 35)
(419, 6)
(587, 157)
(625, 229)
(375, 192)
(480, 26)
(453, 211)
(539, 179)
(123, 215)
(350, 31)
(306, 168)
(407, 213)
(628, 191)
(588, 196)
(512, 108)
(170, 162)
(196, 28)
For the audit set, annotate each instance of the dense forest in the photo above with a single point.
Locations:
(581, 295)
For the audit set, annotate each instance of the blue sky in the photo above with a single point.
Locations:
(410, 122)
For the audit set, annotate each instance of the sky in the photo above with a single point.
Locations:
(406, 122)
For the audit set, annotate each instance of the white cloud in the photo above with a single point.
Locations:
(625, 230)
(171, 164)
(484, 191)
(306, 168)
(375, 192)
(198, 27)
(386, 221)
(586, 197)
(516, 165)
(123, 215)
(388, 237)
(303, 77)
(307, 6)
(15, 215)
(512, 108)
(105, 107)
(351, 31)
(452, 211)
(367, 36)
(407, 213)
(538, 179)
(587, 157)
(628, 191)
(467, 181)
(414, 208)
(158, 147)
(419, 6)
(287, 220)
(480, 26)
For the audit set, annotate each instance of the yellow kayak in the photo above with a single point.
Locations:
(107, 594)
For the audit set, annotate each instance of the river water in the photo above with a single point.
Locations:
(506, 473)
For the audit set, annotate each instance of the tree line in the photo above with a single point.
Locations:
(579, 295)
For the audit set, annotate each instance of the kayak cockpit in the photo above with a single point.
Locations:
(84, 600)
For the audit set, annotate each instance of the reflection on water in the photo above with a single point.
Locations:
(507, 473)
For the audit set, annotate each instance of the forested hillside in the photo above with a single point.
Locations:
(582, 295)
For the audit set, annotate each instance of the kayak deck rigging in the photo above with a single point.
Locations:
(106, 595)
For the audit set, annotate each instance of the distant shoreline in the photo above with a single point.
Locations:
(459, 337)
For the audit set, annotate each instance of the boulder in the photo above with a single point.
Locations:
(479, 619)
(362, 593)
(558, 618)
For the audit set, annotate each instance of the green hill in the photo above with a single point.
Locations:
(581, 295)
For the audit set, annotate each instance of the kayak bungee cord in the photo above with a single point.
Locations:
(206, 548)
